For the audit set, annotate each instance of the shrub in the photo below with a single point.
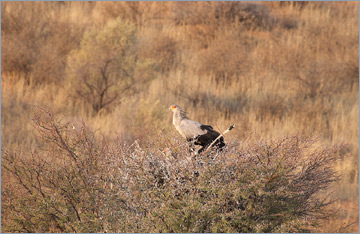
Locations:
(249, 14)
(103, 68)
(35, 41)
(225, 59)
(74, 182)
(159, 48)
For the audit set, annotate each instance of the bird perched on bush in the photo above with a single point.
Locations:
(194, 132)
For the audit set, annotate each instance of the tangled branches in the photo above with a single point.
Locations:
(73, 182)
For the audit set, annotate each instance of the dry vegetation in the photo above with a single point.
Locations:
(274, 68)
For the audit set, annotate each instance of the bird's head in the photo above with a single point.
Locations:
(178, 110)
(174, 108)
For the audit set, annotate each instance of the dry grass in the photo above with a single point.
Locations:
(274, 68)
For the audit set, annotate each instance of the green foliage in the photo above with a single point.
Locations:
(271, 188)
(104, 67)
(77, 183)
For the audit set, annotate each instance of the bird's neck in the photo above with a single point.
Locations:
(177, 117)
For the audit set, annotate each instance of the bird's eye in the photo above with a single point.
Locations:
(173, 107)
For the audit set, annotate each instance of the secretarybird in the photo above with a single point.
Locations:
(194, 132)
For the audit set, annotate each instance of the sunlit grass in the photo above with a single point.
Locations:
(278, 82)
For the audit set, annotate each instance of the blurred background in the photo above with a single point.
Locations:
(274, 68)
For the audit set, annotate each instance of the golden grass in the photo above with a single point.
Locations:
(276, 82)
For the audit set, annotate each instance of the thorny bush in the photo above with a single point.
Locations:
(74, 182)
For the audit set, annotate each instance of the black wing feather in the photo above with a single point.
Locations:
(207, 138)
